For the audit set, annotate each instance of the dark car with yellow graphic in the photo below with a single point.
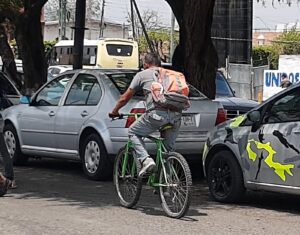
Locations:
(258, 151)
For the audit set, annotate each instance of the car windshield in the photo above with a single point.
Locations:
(222, 87)
(123, 80)
(6, 87)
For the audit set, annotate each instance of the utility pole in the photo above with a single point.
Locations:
(172, 35)
(143, 27)
(101, 20)
(132, 19)
(62, 18)
(79, 33)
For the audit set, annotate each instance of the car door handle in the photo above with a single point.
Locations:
(84, 114)
(51, 113)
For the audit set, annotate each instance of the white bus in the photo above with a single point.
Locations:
(107, 53)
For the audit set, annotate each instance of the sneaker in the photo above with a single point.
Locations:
(148, 167)
(4, 186)
(13, 184)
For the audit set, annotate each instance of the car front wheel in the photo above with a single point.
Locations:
(94, 158)
(225, 178)
(13, 145)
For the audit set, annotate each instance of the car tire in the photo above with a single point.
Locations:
(13, 145)
(225, 177)
(95, 162)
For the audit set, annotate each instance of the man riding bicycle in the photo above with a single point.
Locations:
(155, 117)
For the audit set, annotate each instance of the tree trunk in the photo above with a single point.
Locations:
(30, 42)
(195, 55)
(9, 65)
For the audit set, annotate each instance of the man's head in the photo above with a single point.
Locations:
(284, 76)
(285, 82)
(151, 60)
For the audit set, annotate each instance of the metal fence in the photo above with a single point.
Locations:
(246, 81)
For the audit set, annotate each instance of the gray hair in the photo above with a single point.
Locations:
(152, 59)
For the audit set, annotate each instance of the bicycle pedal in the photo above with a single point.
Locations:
(155, 191)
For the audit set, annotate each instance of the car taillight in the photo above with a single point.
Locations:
(221, 116)
(131, 120)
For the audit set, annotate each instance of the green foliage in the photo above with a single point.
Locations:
(9, 8)
(11, 4)
(262, 55)
(155, 37)
(49, 44)
(287, 43)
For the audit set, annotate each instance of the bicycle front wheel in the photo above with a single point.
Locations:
(175, 189)
(128, 185)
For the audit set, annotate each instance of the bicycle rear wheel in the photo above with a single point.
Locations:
(175, 195)
(129, 186)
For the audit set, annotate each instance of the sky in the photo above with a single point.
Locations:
(269, 16)
(263, 17)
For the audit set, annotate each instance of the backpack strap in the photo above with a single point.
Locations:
(155, 74)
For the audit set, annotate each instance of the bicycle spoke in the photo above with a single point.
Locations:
(176, 195)
(128, 185)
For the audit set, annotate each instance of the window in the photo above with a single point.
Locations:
(89, 55)
(95, 95)
(194, 93)
(122, 80)
(222, 87)
(285, 109)
(84, 91)
(50, 95)
(119, 50)
(6, 87)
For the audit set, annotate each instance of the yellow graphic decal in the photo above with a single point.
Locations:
(205, 148)
(279, 168)
(236, 122)
(252, 155)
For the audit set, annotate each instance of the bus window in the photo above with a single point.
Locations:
(119, 50)
(89, 55)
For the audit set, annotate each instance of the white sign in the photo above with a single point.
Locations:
(272, 81)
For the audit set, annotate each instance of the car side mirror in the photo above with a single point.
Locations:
(25, 100)
(254, 116)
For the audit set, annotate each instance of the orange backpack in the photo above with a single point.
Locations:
(170, 90)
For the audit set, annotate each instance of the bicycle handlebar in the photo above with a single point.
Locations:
(122, 115)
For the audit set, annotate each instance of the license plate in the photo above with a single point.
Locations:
(188, 120)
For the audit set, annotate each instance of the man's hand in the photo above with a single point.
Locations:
(113, 114)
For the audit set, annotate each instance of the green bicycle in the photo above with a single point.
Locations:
(172, 178)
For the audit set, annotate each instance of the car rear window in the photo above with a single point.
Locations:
(222, 87)
(123, 80)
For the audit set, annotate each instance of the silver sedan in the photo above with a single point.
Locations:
(68, 118)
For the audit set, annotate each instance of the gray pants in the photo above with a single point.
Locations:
(151, 122)
(7, 160)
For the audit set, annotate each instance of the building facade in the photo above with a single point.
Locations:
(111, 30)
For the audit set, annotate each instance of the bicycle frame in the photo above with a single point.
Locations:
(172, 180)
(152, 180)
(159, 157)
